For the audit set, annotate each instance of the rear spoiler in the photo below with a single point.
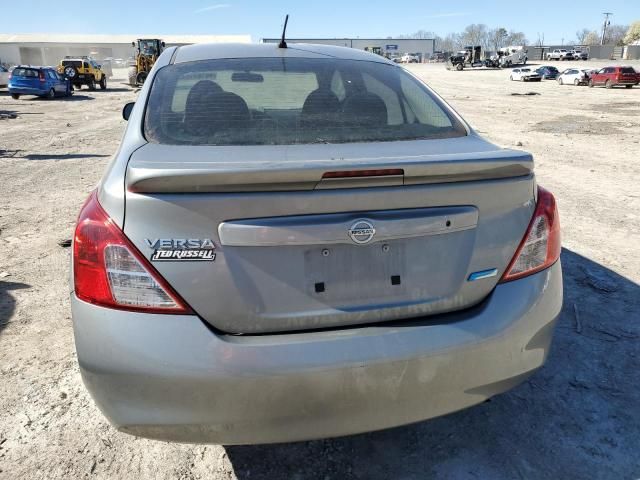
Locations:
(272, 168)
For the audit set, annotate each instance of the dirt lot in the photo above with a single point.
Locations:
(578, 417)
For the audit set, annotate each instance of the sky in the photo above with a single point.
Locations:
(556, 20)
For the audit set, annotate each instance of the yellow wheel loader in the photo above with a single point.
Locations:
(147, 52)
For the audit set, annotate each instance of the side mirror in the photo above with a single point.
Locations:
(126, 110)
(163, 45)
(133, 44)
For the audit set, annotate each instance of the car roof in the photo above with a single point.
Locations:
(212, 51)
(34, 67)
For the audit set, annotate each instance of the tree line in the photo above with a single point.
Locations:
(474, 34)
(492, 39)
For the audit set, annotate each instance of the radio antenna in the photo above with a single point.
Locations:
(282, 43)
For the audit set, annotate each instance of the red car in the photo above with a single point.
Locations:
(612, 76)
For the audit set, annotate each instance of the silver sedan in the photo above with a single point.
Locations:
(297, 243)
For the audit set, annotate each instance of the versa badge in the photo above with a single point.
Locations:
(182, 249)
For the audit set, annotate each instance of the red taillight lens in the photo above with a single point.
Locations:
(109, 270)
(540, 247)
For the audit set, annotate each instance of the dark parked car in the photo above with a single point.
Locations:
(548, 72)
(613, 76)
(39, 81)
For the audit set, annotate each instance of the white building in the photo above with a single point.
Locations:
(424, 47)
(49, 49)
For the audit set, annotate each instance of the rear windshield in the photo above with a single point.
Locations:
(276, 101)
(24, 72)
(73, 63)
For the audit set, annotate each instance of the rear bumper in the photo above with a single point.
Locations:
(170, 378)
(27, 91)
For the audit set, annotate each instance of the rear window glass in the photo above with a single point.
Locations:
(627, 70)
(72, 63)
(275, 101)
(24, 72)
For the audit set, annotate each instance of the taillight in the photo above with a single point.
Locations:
(109, 270)
(41, 76)
(540, 247)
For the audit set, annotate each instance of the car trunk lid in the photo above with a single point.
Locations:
(296, 249)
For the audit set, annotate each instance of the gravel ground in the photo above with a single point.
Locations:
(578, 417)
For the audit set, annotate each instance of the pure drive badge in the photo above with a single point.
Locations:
(182, 249)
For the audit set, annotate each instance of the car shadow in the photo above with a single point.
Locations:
(73, 98)
(63, 156)
(7, 301)
(577, 417)
(112, 89)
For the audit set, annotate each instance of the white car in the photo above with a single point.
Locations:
(579, 54)
(524, 75)
(573, 76)
(410, 58)
(4, 76)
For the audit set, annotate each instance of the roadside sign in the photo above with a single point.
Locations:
(391, 47)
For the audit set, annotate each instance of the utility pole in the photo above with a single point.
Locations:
(605, 24)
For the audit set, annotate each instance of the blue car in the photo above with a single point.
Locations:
(39, 81)
(548, 72)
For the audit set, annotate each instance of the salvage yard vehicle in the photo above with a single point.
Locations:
(610, 77)
(579, 54)
(524, 75)
(40, 81)
(83, 71)
(147, 52)
(574, 76)
(513, 55)
(547, 72)
(410, 58)
(298, 243)
(559, 54)
(471, 57)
